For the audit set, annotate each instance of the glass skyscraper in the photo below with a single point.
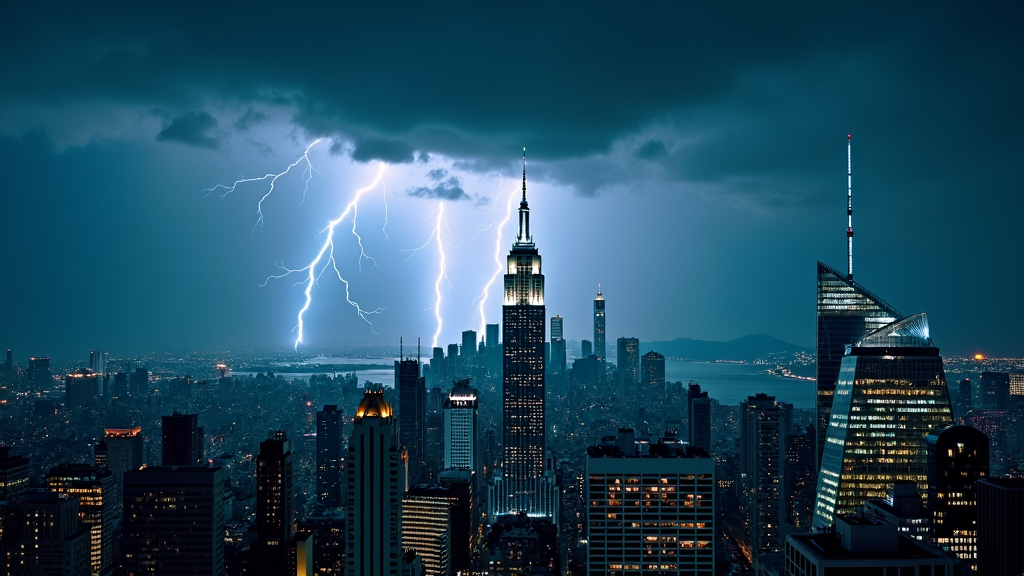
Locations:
(846, 313)
(600, 347)
(891, 393)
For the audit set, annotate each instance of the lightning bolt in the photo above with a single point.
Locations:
(325, 258)
(442, 273)
(482, 298)
(307, 175)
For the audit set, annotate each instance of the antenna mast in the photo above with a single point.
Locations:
(849, 211)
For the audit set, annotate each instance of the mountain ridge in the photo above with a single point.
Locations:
(744, 348)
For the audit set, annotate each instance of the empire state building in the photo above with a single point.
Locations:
(526, 483)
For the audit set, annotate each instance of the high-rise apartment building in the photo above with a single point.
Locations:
(958, 457)
(846, 313)
(43, 536)
(427, 528)
(523, 319)
(412, 415)
(181, 440)
(460, 431)
(627, 352)
(269, 552)
(650, 508)
(799, 476)
(174, 521)
(94, 488)
(329, 456)
(891, 393)
(376, 480)
(600, 347)
(767, 511)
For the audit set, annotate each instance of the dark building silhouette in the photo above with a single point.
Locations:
(523, 394)
(37, 375)
(82, 389)
(652, 376)
(600, 346)
(957, 458)
(43, 536)
(1000, 528)
(799, 476)
(846, 313)
(993, 390)
(182, 440)
(627, 351)
(120, 450)
(174, 521)
(412, 415)
(13, 475)
(892, 380)
(329, 456)
(699, 411)
(269, 552)
(94, 487)
(138, 384)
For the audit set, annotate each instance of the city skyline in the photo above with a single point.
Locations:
(706, 143)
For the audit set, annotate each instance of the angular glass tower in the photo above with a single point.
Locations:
(523, 318)
(891, 393)
(846, 313)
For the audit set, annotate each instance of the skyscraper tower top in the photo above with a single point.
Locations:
(524, 239)
(849, 211)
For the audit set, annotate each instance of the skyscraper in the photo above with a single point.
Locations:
(1000, 530)
(329, 456)
(268, 554)
(94, 487)
(523, 316)
(138, 384)
(493, 349)
(799, 473)
(891, 393)
(846, 313)
(13, 475)
(558, 358)
(43, 535)
(38, 374)
(412, 415)
(600, 348)
(427, 528)
(958, 457)
(628, 352)
(182, 440)
(460, 431)
(174, 521)
(652, 376)
(649, 511)
(769, 427)
(375, 483)
(699, 410)
(125, 451)
(82, 389)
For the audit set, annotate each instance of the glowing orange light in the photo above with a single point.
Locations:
(979, 356)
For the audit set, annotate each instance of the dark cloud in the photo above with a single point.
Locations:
(192, 128)
(249, 119)
(437, 174)
(651, 149)
(391, 151)
(450, 189)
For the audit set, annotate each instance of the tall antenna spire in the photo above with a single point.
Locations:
(849, 211)
(400, 351)
(524, 173)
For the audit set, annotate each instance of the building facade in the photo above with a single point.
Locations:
(958, 456)
(460, 431)
(600, 344)
(412, 414)
(329, 456)
(94, 488)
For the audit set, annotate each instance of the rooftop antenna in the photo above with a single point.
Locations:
(524, 173)
(417, 350)
(401, 352)
(849, 211)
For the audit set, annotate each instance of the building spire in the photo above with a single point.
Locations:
(524, 238)
(849, 211)
(524, 174)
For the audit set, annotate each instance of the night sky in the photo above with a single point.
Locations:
(688, 157)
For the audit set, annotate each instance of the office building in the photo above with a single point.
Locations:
(138, 383)
(493, 349)
(426, 528)
(458, 487)
(329, 456)
(799, 477)
(650, 508)
(699, 411)
(891, 393)
(558, 355)
(469, 348)
(863, 545)
(376, 480)
(82, 389)
(652, 376)
(600, 347)
(1000, 529)
(627, 351)
(174, 521)
(767, 513)
(958, 456)
(37, 375)
(43, 537)
(846, 313)
(98, 362)
(275, 515)
(94, 488)
(460, 431)
(124, 451)
(523, 319)
(13, 475)
(438, 368)
(750, 411)
(182, 440)
(412, 415)
(902, 507)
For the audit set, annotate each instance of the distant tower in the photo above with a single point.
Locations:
(652, 376)
(558, 358)
(375, 484)
(460, 431)
(628, 365)
(700, 417)
(412, 415)
(329, 456)
(38, 374)
(600, 348)
(891, 380)
(958, 456)
(98, 362)
(182, 440)
(523, 319)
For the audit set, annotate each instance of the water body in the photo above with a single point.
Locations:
(726, 382)
(730, 383)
